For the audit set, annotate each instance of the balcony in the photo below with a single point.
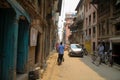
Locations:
(80, 18)
(79, 22)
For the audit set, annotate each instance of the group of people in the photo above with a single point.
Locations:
(99, 53)
(102, 54)
(60, 49)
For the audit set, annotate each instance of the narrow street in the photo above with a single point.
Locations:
(75, 68)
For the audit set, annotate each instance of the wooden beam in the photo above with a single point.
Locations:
(94, 6)
(4, 4)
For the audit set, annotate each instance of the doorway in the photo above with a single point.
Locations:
(37, 49)
(8, 40)
(22, 44)
(116, 48)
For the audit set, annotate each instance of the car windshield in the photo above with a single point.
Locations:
(75, 46)
(78, 46)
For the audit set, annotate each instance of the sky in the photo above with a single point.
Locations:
(70, 5)
(67, 6)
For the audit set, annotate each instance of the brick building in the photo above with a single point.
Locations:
(69, 21)
(86, 25)
(109, 25)
(90, 26)
(79, 22)
(27, 27)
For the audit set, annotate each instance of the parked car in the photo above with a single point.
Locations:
(75, 50)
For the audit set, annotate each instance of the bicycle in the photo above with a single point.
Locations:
(96, 58)
(109, 58)
(106, 57)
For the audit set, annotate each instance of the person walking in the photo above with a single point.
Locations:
(101, 52)
(60, 53)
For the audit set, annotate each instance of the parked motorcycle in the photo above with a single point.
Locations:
(85, 52)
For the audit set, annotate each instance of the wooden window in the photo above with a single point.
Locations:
(86, 32)
(89, 31)
(117, 27)
(94, 31)
(99, 30)
(93, 46)
(89, 19)
(107, 27)
(86, 22)
(94, 17)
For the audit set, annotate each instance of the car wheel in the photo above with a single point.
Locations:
(82, 55)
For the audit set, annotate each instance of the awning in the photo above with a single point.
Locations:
(115, 39)
(19, 10)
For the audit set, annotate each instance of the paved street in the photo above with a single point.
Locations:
(75, 68)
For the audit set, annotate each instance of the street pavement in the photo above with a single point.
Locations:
(76, 68)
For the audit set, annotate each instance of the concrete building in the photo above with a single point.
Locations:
(109, 25)
(90, 26)
(86, 25)
(77, 27)
(27, 27)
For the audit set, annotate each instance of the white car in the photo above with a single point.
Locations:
(75, 50)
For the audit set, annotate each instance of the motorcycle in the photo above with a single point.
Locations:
(85, 52)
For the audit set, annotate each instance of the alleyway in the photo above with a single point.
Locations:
(78, 69)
